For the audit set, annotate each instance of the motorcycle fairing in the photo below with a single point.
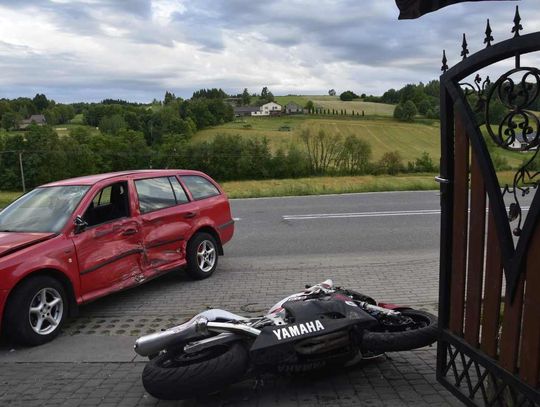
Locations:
(335, 306)
(273, 346)
(312, 318)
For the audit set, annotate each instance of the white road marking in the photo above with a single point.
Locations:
(360, 214)
(368, 214)
(236, 219)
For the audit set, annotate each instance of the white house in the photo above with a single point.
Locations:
(268, 109)
(520, 142)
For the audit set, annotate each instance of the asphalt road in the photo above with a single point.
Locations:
(382, 223)
(336, 224)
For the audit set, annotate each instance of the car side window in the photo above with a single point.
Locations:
(110, 203)
(179, 193)
(103, 197)
(155, 193)
(199, 187)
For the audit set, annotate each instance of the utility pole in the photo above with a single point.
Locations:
(22, 172)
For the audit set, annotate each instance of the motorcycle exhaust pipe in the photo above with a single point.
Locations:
(195, 328)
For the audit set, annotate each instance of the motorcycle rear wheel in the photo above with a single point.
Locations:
(423, 334)
(179, 376)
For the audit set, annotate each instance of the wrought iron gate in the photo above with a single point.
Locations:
(489, 297)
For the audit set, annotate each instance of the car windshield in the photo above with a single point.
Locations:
(44, 209)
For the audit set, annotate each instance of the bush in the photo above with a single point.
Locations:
(348, 95)
(424, 163)
(398, 112)
(354, 156)
(405, 111)
(391, 163)
(424, 106)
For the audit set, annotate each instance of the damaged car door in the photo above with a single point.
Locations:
(166, 219)
(109, 243)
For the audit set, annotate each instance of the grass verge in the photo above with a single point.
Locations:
(6, 197)
(329, 185)
(339, 185)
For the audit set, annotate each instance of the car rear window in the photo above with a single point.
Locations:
(199, 187)
(155, 193)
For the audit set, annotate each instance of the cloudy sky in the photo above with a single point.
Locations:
(87, 50)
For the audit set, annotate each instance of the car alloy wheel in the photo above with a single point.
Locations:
(206, 256)
(46, 311)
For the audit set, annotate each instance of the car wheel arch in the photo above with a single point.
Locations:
(60, 277)
(211, 231)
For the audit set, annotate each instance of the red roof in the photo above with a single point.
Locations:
(93, 179)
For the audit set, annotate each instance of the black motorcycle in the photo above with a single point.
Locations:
(322, 327)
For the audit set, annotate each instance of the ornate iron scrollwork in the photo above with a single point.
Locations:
(478, 90)
(518, 121)
(517, 131)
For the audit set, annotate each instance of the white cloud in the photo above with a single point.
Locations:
(136, 49)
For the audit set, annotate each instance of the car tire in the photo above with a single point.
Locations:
(36, 311)
(202, 256)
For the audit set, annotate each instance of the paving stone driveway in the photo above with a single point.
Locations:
(249, 288)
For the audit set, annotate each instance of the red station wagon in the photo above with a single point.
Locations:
(72, 241)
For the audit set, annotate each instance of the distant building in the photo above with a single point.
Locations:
(520, 142)
(293, 108)
(241, 111)
(38, 119)
(268, 109)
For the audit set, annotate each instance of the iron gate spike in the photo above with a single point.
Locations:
(464, 50)
(444, 67)
(489, 37)
(517, 26)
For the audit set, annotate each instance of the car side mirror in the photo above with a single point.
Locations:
(80, 224)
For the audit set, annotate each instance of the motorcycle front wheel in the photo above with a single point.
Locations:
(418, 330)
(178, 375)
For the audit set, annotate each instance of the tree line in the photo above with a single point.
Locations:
(172, 116)
(12, 112)
(423, 99)
(46, 157)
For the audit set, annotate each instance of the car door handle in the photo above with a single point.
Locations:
(129, 232)
(190, 215)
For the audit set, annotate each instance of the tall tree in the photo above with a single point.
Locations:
(246, 98)
(40, 102)
(169, 98)
(322, 148)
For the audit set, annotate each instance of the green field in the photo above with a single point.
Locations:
(258, 127)
(78, 119)
(411, 139)
(63, 129)
(333, 102)
(383, 134)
